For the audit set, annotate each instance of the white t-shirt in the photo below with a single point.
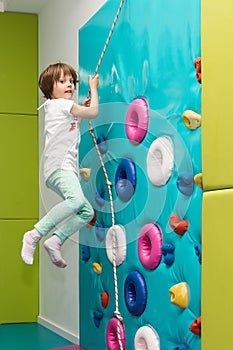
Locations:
(62, 137)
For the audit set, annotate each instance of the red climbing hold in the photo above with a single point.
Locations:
(104, 296)
(92, 222)
(179, 226)
(197, 64)
(196, 326)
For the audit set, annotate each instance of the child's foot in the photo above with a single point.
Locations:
(53, 247)
(30, 240)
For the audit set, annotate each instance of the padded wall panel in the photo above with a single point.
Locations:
(217, 108)
(18, 62)
(19, 159)
(151, 55)
(217, 283)
(19, 282)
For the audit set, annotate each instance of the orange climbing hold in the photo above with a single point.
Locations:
(196, 326)
(178, 226)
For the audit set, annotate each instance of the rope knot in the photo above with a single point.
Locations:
(108, 183)
(118, 315)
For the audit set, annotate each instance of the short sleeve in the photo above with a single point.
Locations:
(59, 106)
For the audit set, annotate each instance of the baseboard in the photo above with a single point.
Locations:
(73, 338)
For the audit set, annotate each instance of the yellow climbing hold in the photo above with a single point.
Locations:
(191, 119)
(180, 294)
(97, 267)
(85, 173)
(198, 180)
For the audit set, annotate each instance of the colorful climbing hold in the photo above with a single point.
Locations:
(92, 222)
(99, 198)
(146, 338)
(125, 180)
(86, 253)
(135, 290)
(160, 161)
(180, 294)
(104, 296)
(137, 120)
(168, 253)
(198, 251)
(97, 267)
(185, 183)
(116, 246)
(197, 65)
(180, 347)
(102, 144)
(191, 119)
(179, 226)
(100, 232)
(97, 317)
(196, 326)
(85, 173)
(198, 180)
(149, 246)
(115, 330)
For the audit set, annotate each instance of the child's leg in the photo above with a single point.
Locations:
(46, 224)
(56, 215)
(69, 188)
(72, 225)
(76, 222)
(31, 238)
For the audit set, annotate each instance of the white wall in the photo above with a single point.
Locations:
(59, 22)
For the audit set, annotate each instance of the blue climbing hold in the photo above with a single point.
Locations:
(125, 179)
(86, 253)
(97, 317)
(99, 198)
(135, 291)
(180, 347)
(198, 251)
(168, 253)
(185, 183)
(100, 232)
(102, 144)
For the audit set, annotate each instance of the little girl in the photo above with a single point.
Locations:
(60, 160)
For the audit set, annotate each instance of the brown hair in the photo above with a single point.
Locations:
(52, 74)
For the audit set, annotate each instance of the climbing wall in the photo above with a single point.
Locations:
(149, 136)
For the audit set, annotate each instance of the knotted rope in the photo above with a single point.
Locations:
(109, 184)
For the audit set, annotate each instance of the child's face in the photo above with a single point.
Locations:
(64, 88)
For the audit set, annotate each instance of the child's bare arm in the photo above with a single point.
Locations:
(90, 112)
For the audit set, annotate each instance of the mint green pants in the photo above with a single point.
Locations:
(74, 209)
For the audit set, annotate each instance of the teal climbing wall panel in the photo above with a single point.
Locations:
(148, 81)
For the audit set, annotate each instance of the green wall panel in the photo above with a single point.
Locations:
(19, 282)
(19, 167)
(18, 62)
(217, 107)
(217, 282)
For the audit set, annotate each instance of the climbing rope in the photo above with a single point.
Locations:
(109, 36)
(109, 184)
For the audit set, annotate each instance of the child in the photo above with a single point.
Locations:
(60, 160)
